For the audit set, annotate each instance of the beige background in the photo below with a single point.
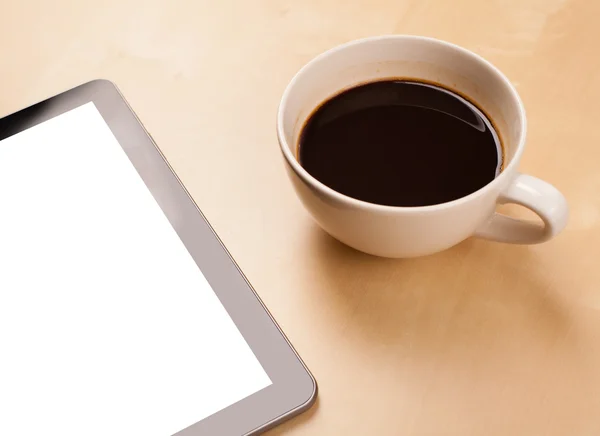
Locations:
(484, 339)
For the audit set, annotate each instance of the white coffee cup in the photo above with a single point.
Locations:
(415, 231)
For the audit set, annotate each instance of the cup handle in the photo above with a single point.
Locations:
(540, 197)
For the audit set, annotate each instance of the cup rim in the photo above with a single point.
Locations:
(326, 190)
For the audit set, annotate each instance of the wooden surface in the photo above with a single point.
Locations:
(483, 339)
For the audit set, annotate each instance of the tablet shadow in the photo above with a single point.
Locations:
(297, 421)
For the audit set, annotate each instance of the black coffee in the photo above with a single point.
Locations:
(400, 143)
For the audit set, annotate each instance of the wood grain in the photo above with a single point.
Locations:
(483, 339)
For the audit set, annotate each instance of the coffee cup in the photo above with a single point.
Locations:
(399, 232)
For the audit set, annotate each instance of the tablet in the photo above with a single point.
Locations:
(121, 312)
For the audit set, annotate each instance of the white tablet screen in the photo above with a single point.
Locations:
(107, 326)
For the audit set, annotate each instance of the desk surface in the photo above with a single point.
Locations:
(483, 339)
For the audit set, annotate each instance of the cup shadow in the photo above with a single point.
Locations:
(479, 327)
(478, 295)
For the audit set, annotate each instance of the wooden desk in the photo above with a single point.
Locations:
(484, 339)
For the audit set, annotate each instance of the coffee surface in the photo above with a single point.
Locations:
(400, 143)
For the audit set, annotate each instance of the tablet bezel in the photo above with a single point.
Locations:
(293, 388)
